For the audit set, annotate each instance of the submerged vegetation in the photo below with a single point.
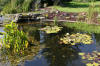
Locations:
(15, 60)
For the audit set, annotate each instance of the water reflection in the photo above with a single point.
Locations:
(45, 49)
(32, 33)
(13, 59)
(10, 59)
(62, 55)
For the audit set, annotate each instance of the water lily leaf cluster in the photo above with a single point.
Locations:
(77, 38)
(93, 59)
(51, 29)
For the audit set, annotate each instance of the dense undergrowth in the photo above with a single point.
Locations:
(15, 6)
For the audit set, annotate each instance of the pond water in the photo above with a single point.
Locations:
(49, 52)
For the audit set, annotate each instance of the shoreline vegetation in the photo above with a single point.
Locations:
(64, 29)
(90, 9)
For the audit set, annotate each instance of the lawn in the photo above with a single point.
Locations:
(90, 28)
(77, 7)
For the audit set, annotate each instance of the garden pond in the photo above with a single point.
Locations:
(48, 50)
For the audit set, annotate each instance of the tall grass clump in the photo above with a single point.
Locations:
(91, 11)
(8, 9)
(14, 6)
(26, 5)
(11, 7)
(2, 3)
(14, 40)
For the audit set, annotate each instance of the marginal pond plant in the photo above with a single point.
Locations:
(74, 39)
(14, 40)
(16, 47)
(91, 59)
(91, 11)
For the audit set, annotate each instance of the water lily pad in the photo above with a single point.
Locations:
(77, 38)
(53, 29)
(93, 59)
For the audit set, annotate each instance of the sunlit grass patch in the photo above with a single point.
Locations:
(91, 28)
(77, 7)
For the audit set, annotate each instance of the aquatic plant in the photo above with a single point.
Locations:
(91, 12)
(29, 51)
(55, 20)
(15, 60)
(14, 40)
(51, 29)
(75, 39)
(91, 59)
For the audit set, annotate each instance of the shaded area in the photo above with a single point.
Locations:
(75, 5)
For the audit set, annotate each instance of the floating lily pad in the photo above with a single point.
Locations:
(78, 38)
(53, 29)
(93, 59)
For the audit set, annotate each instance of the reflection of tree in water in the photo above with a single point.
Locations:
(97, 41)
(58, 55)
(32, 32)
(97, 37)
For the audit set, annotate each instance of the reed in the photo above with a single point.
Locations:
(91, 11)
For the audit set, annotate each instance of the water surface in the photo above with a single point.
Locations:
(50, 52)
